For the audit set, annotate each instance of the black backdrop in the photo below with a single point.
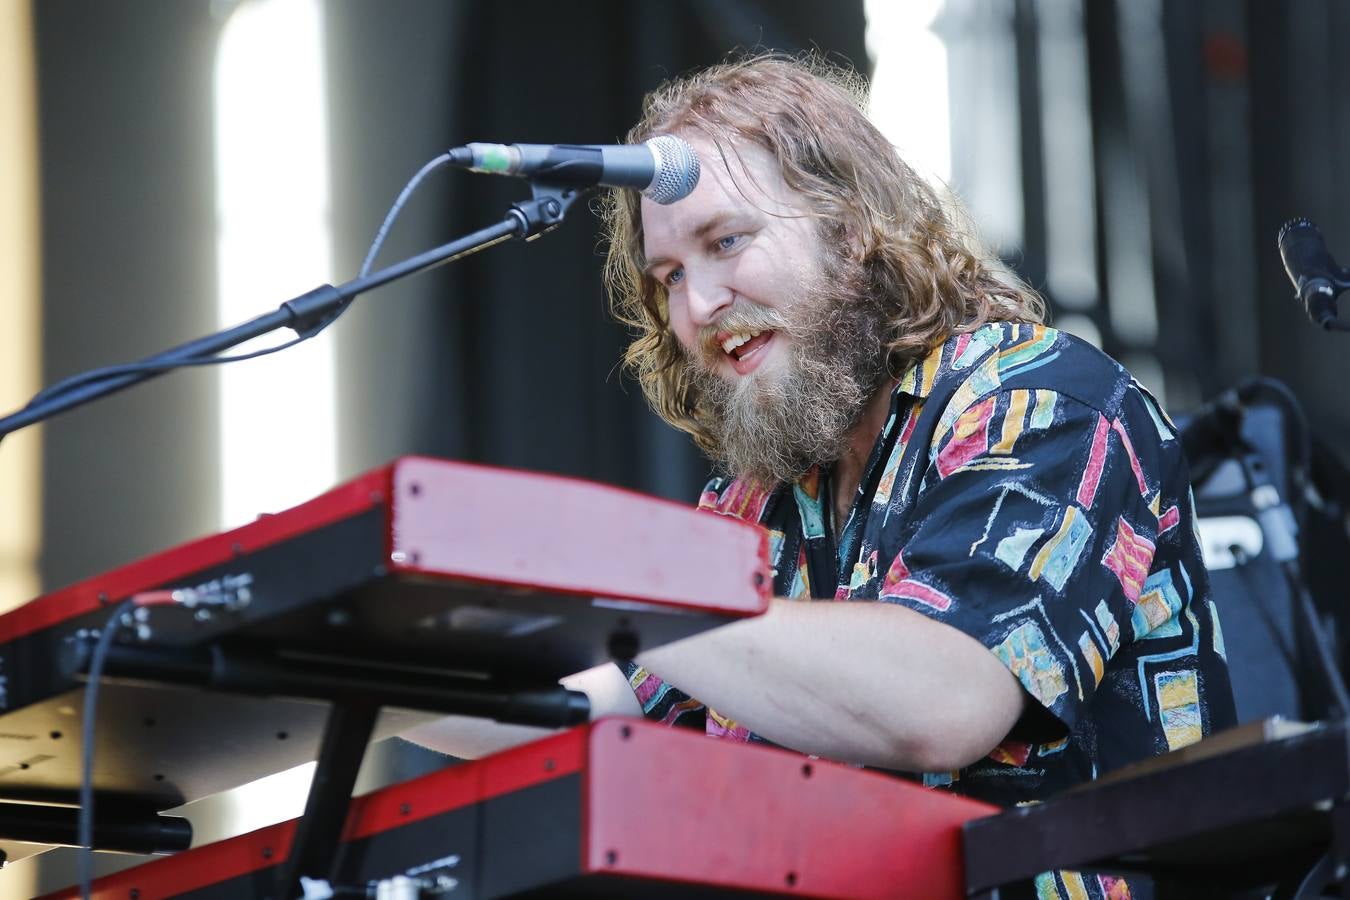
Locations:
(509, 357)
(519, 361)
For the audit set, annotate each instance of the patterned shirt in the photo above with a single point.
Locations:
(1027, 491)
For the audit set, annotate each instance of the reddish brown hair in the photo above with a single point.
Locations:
(926, 269)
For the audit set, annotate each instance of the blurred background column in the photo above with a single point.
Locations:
(20, 302)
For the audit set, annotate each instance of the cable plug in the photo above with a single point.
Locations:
(229, 592)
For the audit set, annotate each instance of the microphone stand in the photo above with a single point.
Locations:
(349, 724)
(307, 312)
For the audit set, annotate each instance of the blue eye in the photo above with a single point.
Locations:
(726, 243)
(675, 276)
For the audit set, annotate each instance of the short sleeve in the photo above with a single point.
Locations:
(662, 702)
(1033, 531)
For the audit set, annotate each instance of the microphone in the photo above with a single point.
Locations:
(1315, 275)
(664, 168)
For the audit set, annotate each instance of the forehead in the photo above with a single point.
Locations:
(737, 177)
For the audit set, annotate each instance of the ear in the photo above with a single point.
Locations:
(862, 242)
(844, 234)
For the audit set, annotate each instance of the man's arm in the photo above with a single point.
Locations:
(470, 738)
(871, 683)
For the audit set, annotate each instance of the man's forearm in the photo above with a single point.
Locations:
(871, 683)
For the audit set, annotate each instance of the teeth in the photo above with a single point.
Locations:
(737, 340)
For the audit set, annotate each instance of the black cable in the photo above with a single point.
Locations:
(96, 663)
(1287, 653)
(397, 208)
(1218, 430)
(1298, 445)
(105, 638)
(107, 372)
(1323, 655)
(1301, 439)
(383, 232)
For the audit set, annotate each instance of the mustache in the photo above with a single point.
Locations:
(742, 315)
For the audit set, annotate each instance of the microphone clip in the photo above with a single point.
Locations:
(545, 210)
(1319, 295)
(1318, 280)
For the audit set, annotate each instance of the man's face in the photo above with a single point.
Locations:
(735, 256)
(782, 343)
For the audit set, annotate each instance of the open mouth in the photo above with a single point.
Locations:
(743, 348)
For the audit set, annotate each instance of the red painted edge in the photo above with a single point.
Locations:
(520, 767)
(348, 499)
(846, 833)
(547, 476)
(539, 483)
(192, 869)
(756, 818)
(556, 756)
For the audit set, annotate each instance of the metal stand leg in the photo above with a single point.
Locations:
(319, 830)
(121, 828)
(1312, 884)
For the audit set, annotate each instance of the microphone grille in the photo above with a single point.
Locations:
(676, 169)
(1292, 225)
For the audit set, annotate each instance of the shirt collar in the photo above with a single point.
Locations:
(918, 380)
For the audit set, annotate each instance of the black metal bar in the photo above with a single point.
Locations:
(237, 671)
(1106, 106)
(1315, 649)
(1188, 330)
(317, 834)
(1243, 817)
(1312, 885)
(302, 312)
(1035, 250)
(117, 829)
(1285, 109)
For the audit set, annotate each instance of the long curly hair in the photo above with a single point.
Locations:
(918, 258)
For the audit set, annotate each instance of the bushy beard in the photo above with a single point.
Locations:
(774, 426)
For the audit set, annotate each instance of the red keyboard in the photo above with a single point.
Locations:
(620, 808)
(490, 573)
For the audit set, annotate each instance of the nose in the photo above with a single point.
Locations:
(708, 296)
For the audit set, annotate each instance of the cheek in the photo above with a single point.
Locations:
(680, 324)
(779, 286)
(772, 276)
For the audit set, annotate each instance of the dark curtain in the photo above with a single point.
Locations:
(510, 357)
(1220, 120)
(524, 332)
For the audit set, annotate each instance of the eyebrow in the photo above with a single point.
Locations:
(713, 223)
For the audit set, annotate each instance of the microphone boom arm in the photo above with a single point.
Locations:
(525, 220)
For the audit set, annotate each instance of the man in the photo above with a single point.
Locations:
(1011, 505)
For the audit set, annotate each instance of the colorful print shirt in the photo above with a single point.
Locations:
(1027, 491)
